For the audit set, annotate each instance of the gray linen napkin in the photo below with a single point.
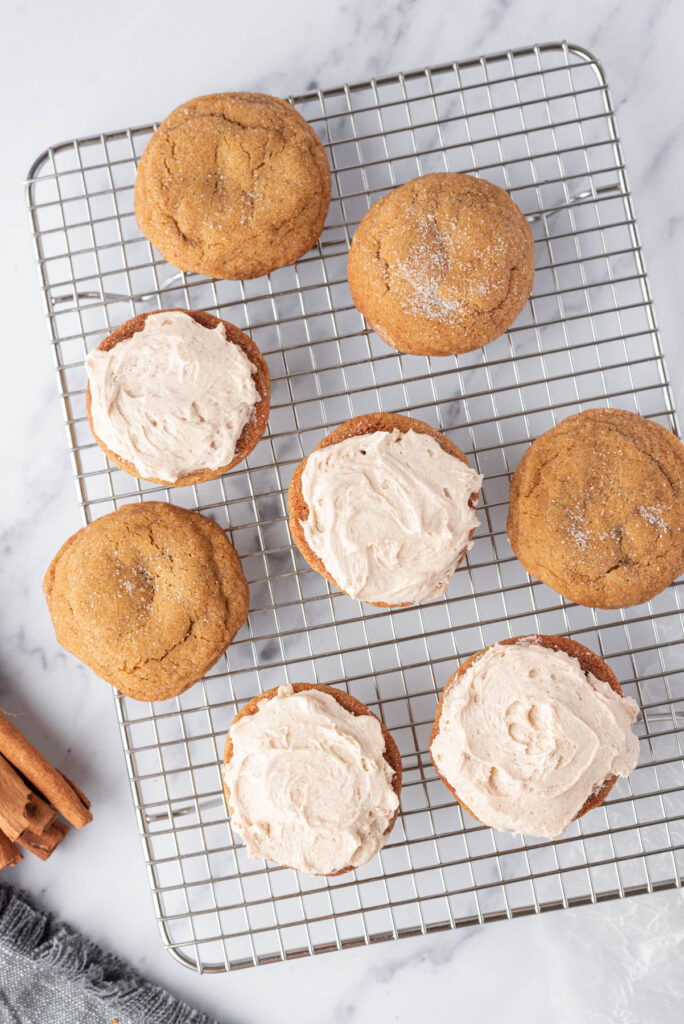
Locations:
(48, 972)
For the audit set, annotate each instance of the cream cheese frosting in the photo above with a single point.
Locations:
(526, 736)
(388, 514)
(309, 784)
(173, 398)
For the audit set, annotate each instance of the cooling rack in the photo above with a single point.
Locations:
(537, 121)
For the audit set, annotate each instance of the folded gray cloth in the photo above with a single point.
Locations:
(48, 972)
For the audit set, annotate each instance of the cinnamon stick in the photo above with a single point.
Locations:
(43, 843)
(9, 853)
(20, 807)
(48, 781)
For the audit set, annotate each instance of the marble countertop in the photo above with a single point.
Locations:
(73, 69)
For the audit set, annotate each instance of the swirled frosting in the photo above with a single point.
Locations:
(173, 398)
(389, 514)
(526, 736)
(309, 786)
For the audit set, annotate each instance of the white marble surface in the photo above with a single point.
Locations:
(73, 68)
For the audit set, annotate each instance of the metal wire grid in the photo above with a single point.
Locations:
(538, 122)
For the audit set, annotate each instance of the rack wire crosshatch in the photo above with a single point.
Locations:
(537, 121)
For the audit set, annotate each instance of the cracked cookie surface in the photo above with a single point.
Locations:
(597, 508)
(442, 264)
(233, 185)
(149, 597)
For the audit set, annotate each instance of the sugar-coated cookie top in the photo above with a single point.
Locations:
(148, 597)
(597, 508)
(233, 185)
(442, 264)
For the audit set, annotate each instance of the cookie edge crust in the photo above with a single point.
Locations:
(257, 268)
(585, 594)
(356, 274)
(356, 427)
(589, 662)
(349, 703)
(228, 570)
(252, 432)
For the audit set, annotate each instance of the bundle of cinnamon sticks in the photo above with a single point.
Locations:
(32, 794)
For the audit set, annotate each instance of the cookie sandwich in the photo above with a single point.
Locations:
(312, 779)
(532, 733)
(384, 508)
(177, 396)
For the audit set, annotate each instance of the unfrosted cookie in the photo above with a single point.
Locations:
(149, 597)
(597, 508)
(177, 396)
(384, 508)
(532, 733)
(442, 264)
(312, 778)
(233, 185)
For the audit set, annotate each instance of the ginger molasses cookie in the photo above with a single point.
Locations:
(597, 508)
(149, 597)
(233, 185)
(312, 779)
(533, 732)
(442, 264)
(384, 508)
(177, 397)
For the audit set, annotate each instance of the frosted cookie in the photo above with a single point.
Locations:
(442, 264)
(384, 508)
(597, 508)
(177, 397)
(312, 779)
(532, 733)
(233, 185)
(149, 597)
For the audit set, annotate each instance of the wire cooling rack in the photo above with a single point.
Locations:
(538, 122)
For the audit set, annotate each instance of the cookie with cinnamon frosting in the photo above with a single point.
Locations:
(442, 264)
(312, 779)
(384, 508)
(597, 508)
(177, 396)
(532, 733)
